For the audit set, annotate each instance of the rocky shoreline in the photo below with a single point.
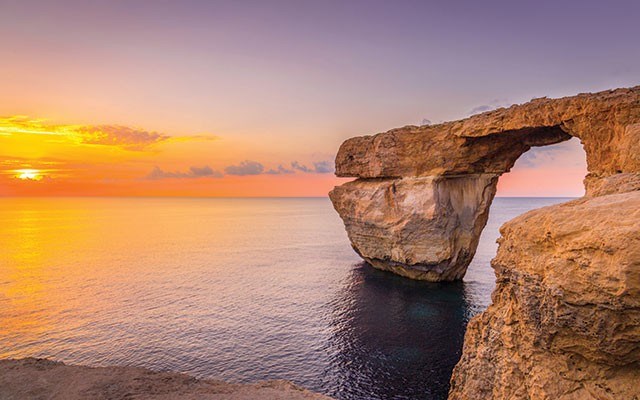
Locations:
(564, 322)
(35, 379)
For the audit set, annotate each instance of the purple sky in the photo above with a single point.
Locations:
(293, 79)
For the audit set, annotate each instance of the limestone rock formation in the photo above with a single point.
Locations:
(564, 322)
(398, 222)
(565, 318)
(422, 194)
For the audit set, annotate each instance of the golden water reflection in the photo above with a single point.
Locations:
(34, 235)
(234, 289)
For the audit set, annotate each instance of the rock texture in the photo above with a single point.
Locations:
(422, 193)
(564, 322)
(37, 379)
(430, 223)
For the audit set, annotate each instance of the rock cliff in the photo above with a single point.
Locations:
(422, 194)
(564, 322)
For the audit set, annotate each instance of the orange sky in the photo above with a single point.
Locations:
(40, 158)
(254, 98)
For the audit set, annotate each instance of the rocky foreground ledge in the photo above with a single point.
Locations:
(36, 379)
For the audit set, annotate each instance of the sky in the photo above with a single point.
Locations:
(253, 98)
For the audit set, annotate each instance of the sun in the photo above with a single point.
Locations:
(28, 174)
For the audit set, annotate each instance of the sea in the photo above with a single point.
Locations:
(238, 289)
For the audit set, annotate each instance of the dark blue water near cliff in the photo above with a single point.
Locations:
(234, 289)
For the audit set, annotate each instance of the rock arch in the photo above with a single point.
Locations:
(422, 193)
(564, 322)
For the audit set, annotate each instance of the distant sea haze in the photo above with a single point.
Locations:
(234, 289)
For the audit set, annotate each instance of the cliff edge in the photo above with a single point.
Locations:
(564, 322)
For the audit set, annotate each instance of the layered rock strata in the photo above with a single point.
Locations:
(422, 193)
(564, 322)
(431, 223)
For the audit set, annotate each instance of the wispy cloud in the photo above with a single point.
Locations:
(300, 167)
(279, 171)
(193, 172)
(324, 167)
(249, 167)
(319, 167)
(117, 135)
(21, 124)
(493, 105)
(125, 137)
(569, 154)
(246, 167)
(194, 138)
(481, 109)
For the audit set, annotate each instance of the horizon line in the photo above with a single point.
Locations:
(240, 197)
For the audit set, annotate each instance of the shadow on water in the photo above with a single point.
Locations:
(394, 338)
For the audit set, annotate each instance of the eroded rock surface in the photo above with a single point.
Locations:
(430, 223)
(40, 379)
(564, 322)
(422, 194)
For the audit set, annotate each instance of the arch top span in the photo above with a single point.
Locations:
(422, 193)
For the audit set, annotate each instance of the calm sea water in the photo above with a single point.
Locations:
(235, 289)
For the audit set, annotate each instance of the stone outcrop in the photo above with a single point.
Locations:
(431, 223)
(564, 322)
(423, 192)
(40, 379)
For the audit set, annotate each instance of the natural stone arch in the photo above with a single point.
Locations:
(423, 193)
(564, 322)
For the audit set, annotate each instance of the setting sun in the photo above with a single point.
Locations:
(28, 174)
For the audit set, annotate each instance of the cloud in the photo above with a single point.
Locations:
(134, 139)
(299, 167)
(246, 167)
(122, 136)
(194, 138)
(194, 172)
(319, 167)
(205, 171)
(569, 154)
(125, 137)
(279, 171)
(481, 109)
(323, 167)
(493, 105)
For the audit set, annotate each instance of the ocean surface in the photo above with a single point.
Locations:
(235, 289)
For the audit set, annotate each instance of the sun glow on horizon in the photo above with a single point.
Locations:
(28, 174)
(57, 159)
(40, 158)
